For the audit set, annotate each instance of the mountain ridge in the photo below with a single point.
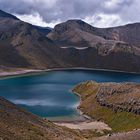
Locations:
(70, 44)
(7, 15)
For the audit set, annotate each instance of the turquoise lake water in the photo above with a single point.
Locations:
(48, 94)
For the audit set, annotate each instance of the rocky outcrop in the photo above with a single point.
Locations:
(128, 33)
(117, 104)
(120, 97)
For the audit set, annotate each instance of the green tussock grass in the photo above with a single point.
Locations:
(118, 121)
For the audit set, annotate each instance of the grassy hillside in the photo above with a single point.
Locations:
(119, 121)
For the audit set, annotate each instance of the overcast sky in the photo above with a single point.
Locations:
(99, 13)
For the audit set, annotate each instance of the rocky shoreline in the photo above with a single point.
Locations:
(18, 72)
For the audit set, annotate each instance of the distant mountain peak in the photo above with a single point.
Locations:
(7, 15)
(72, 25)
(76, 22)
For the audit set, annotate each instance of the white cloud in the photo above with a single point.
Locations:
(104, 20)
(36, 19)
(112, 3)
(102, 13)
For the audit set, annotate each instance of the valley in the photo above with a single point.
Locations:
(71, 82)
(102, 120)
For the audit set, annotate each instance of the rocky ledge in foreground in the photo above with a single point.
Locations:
(117, 104)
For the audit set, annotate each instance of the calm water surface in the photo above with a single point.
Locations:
(48, 95)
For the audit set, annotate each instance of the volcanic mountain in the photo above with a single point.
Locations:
(70, 44)
(76, 29)
(24, 45)
(98, 48)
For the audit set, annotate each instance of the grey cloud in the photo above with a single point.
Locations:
(61, 9)
(118, 7)
(66, 9)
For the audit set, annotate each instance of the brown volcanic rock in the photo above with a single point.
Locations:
(24, 45)
(120, 97)
(91, 49)
(74, 32)
(114, 96)
(127, 33)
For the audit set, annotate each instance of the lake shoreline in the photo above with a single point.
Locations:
(91, 69)
(87, 123)
(28, 72)
(20, 73)
(80, 117)
(24, 72)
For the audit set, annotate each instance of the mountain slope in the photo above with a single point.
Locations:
(92, 49)
(127, 33)
(7, 15)
(70, 44)
(24, 45)
(17, 124)
(75, 33)
(43, 30)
